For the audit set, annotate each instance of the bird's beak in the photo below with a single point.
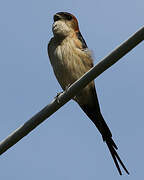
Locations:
(56, 17)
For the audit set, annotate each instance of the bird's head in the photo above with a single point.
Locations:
(64, 24)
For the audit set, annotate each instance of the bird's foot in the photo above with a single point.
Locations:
(57, 97)
(66, 89)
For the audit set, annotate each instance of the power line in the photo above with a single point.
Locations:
(63, 98)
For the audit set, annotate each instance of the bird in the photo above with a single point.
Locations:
(70, 59)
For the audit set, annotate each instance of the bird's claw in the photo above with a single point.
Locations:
(57, 97)
(66, 89)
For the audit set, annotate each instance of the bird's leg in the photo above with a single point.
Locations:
(66, 89)
(57, 97)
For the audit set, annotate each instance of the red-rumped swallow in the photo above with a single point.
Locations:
(70, 59)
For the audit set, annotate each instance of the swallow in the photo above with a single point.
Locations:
(70, 58)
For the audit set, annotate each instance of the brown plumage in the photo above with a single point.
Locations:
(70, 59)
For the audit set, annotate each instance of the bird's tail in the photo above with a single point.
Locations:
(100, 123)
(115, 156)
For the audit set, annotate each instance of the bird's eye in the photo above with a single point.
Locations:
(69, 17)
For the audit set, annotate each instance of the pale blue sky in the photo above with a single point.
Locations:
(67, 146)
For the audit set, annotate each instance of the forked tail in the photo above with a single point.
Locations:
(101, 125)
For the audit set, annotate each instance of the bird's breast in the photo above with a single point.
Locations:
(67, 62)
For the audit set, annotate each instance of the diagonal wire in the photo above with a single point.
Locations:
(63, 98)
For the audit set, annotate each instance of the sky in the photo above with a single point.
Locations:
(67, 145)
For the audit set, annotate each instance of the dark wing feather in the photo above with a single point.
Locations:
(93, 112)
(80, 37)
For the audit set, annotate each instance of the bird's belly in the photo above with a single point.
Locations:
(67, 67)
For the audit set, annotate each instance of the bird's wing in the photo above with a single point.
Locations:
(93, 112)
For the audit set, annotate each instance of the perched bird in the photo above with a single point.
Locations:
(70, 59)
